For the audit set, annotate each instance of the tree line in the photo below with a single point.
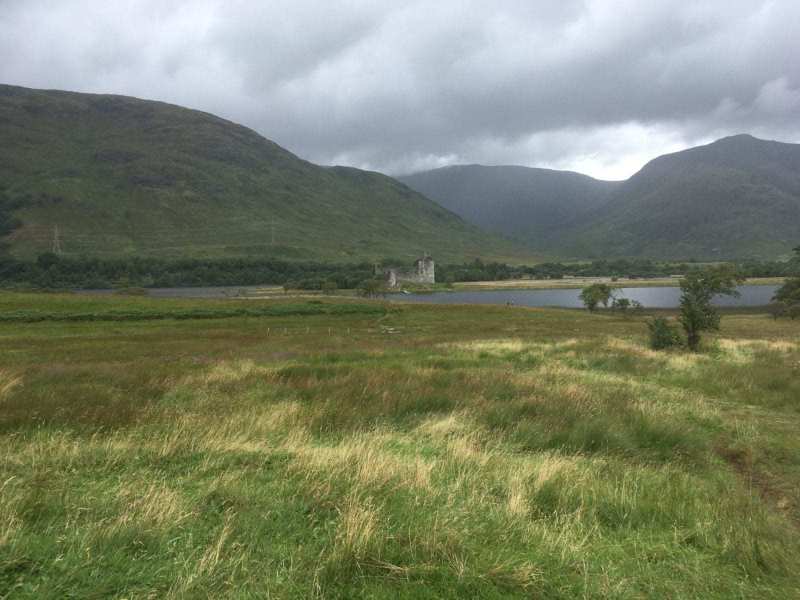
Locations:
(65, 272)
(55, 272)
(627, 268)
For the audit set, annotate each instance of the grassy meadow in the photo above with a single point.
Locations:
(353, 449)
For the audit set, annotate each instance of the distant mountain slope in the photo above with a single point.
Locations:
(528, 204)
(736, 198)
(118, 176)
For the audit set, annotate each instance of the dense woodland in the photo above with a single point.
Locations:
(58, 272)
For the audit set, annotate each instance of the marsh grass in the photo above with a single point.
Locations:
(480, 452)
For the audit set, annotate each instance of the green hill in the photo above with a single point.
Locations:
(736, 198)
(528, 204)
(117, 176)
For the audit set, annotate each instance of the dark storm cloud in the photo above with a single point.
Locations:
(598, 86)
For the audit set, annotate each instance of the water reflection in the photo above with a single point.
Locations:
(649, 297)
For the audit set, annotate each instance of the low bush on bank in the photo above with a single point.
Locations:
(663, 335)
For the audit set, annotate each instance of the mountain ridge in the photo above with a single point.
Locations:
(737, 197)
(528, 201)
(111, 175)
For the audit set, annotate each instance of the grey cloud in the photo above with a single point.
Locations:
(597, 85)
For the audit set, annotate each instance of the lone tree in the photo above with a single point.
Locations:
(698, 288)
(787, 297)
(597, 293)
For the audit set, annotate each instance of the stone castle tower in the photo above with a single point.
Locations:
(424, 272)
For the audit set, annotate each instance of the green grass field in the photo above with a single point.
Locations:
(364, 450)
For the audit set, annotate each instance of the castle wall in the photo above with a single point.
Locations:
(412, 277)
(423, 273)
(426, 270)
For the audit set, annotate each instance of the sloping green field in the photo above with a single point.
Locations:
(113, 176)
(392, 451)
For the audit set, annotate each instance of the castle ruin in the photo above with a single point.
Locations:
(424, 271)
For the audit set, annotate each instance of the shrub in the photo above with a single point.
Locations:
(597, 293)
(372, 288)
(662, 334)
(620, 304)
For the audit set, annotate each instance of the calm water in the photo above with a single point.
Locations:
(650, 297)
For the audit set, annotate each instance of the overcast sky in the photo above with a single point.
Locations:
(597, 86)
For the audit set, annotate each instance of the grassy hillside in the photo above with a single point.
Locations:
(736, 198)
(412, 452)
(118, 176)
(532, 205)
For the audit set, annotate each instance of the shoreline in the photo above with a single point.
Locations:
(581, 282)
(253, 292)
